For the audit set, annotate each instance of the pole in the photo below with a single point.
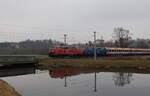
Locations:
(95, 88)
(65, 82)
(65, 39)
(95, 45)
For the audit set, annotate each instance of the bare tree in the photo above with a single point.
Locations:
(121, 79)
(122, 37)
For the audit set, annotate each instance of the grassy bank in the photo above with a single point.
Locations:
(7, 90)
(138, 62)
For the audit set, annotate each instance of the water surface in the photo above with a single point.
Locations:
(33, 82)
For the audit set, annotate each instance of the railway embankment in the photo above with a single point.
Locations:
(133, 62)
(7, 90)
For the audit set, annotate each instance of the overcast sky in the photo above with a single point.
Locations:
(43, 19)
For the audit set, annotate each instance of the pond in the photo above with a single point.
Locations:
(35, 82)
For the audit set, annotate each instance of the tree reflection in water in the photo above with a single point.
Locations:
(121, 79)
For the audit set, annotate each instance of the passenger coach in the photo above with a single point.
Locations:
(127, 51)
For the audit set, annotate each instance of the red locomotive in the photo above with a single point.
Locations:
(63, 51)
(62, 73)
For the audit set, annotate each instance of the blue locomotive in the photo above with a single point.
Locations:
(99, 52)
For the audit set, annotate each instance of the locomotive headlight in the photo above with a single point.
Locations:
(52, 50)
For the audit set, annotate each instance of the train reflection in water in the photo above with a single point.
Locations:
(63, 73)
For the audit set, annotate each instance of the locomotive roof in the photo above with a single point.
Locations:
(67, 46)
(113, 48)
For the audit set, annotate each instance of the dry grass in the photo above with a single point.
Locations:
(7, 90)
(110, 62)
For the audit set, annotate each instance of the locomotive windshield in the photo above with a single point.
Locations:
(66, 47)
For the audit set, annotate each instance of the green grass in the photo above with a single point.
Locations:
(37, 56)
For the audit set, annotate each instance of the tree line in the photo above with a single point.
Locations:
(27, 47)
(121, 38)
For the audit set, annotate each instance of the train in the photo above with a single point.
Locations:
(63, 73)
(66, 51)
